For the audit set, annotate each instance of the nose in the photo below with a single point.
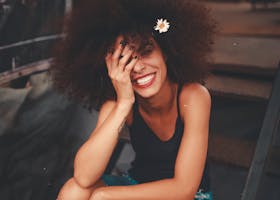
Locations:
(138, 68)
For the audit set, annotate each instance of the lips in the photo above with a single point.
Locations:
(144, 81)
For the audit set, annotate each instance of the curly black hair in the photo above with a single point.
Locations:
(79, 69)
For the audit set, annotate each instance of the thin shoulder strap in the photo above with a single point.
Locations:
(178, 95)
(135, 112)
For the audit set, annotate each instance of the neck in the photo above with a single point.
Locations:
(161, 103)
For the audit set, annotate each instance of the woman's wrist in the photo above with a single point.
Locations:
(124, 105)
(122, 110)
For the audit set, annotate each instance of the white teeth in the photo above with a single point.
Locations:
(144, 80)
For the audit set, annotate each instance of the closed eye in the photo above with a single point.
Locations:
(147, 50)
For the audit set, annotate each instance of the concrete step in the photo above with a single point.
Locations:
(239, 152)
(244, 67)
(239, 87)
(254, 72)
(238, 18)
(246, 55)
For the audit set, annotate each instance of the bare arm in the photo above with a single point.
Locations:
(93, 156)
(195, 109)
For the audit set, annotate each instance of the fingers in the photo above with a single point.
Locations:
(112, 58)
(131, 64)
(116, 55)
(126, 56)
(108, 60)
(121, 58)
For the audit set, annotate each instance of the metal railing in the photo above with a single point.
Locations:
(20, 58)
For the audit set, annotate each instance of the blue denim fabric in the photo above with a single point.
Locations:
(111, 180)
(200, 195)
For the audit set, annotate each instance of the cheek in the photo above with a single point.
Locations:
(164, 74)
(163, 69)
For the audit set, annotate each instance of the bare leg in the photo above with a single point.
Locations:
(72, 191)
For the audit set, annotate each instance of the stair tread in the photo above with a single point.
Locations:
(251, 88)
(248, 52)
(223, 149)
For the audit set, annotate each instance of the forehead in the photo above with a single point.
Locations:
(137, 42)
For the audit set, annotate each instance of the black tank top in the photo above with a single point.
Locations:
(155, 159)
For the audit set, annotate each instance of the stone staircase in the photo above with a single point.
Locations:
(243, 71)
(244, 67)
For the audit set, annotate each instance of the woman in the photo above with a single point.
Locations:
(144, 63)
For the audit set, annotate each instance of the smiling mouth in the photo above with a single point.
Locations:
(145, 81)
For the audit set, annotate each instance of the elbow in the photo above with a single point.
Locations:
(185, 195)
(188, 196)
(186, 191)
(81, 177)
(85, 177)
(82, 180)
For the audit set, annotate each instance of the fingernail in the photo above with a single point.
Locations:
(123, 43)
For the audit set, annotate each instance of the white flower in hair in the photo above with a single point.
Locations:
(162, 25)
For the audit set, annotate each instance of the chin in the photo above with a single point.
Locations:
(146, 93)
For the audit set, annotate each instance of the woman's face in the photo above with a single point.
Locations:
(150, 72)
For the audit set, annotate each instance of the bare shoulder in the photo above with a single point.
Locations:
(194, 92)
(194, 95)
